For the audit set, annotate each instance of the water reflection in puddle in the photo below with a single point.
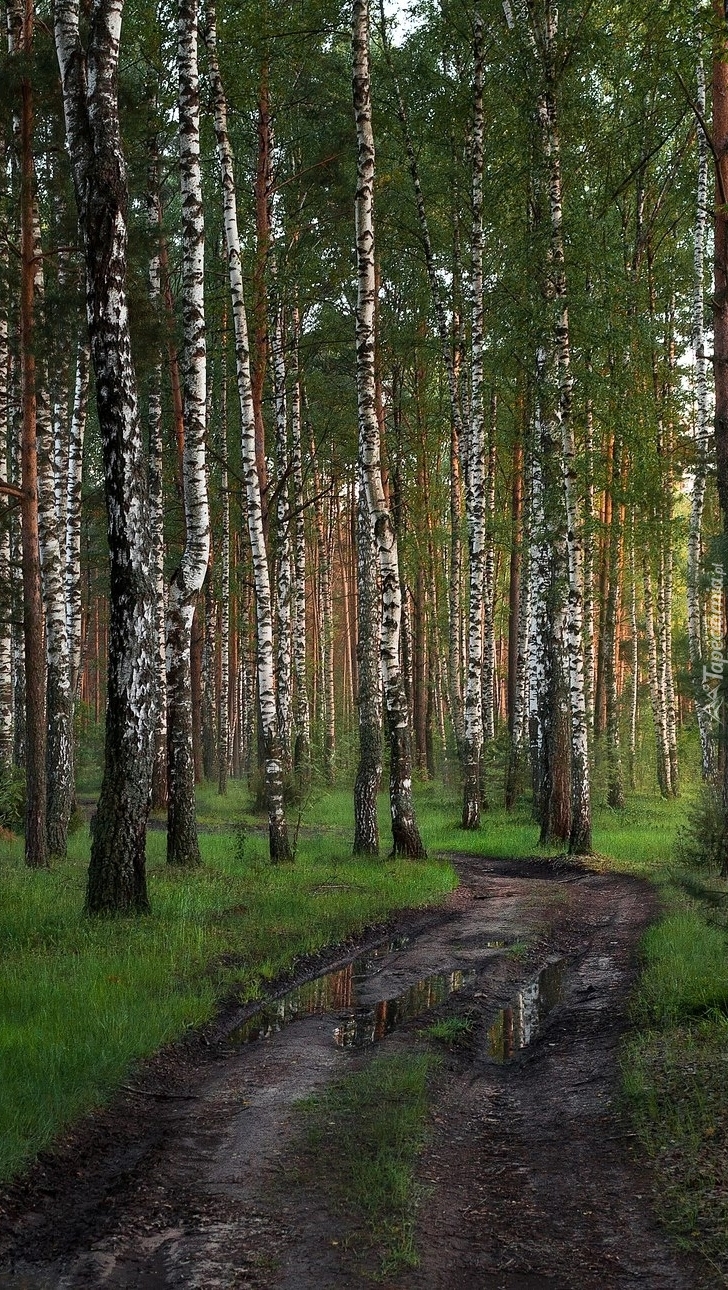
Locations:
(518, 1023)
(339, 992)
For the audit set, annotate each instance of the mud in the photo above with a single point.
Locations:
(532, 1177)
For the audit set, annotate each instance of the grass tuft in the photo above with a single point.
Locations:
(363, 1136)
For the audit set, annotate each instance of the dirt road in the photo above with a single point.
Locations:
(533, 1180)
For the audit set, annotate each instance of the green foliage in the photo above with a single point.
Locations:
(12, 796)
(362, 1139)
(699, 841)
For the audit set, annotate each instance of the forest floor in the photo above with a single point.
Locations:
(198, 1174)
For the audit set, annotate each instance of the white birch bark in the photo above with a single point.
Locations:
(405, 833)
(489, 585)
(89, 77)
(284, 580)
(537, 672)
(656, 688)
(74, 480)
(6, 642)
(156, 507)
(277, 826)
(326, 692)
(702, 451)
(635, 669)
(59, 702)
(580, 835)
(187, 581)
(302, 752)
(223, 722)
(475, 472)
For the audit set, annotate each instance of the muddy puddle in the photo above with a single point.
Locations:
(340, 993)
(518, 1024)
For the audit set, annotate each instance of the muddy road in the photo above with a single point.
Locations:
(532, 1177)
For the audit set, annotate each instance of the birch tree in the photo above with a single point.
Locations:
(182, 844)
(475, 473)
(277, 826)
(405, 833)
(702, 448)
(20, 38)
(117, 880)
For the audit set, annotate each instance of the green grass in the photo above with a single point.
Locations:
(363, 1135)
(81, 1000)
(675, 1063)
(451, 1030)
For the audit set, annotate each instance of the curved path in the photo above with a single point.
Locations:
(533, 1179)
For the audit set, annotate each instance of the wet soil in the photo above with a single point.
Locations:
(532, 1177)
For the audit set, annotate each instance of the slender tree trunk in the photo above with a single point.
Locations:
(634, 640)
(517, 623)
(223, 723)
(156, 505)
(538, 557)
(117, 870)
(277, 826)
(6, 600)
(615, 776)
(327, 709)
(74, 481)
(580, 835)
(475, 475)
(284, 578)
(656, 693)
(20, 25)
(702, 445)
(489, 581)
(369, 769)
(59, 700)
(187, 580)
(301, 711)
(405, 833)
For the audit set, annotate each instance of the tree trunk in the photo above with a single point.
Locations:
(580, 839)
(277, 826)
(59, 699)
(223, 721)
(117, 879)
(328, 714)
(405, 833)
(475, 473)
(517, 624)
(284, 580)
(301, 711)
(702, 453)
(156, 506)
(615, 777)
(656, 692)
(6, 606)
(20, 26)
(182, 843)
(369, 769)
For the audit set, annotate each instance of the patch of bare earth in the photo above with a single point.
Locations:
(532, 1178)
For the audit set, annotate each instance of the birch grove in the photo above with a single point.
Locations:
(462, 522)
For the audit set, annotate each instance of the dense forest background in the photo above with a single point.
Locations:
(535, 369)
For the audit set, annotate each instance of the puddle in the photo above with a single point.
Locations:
(339, 992)
(518, 1023)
